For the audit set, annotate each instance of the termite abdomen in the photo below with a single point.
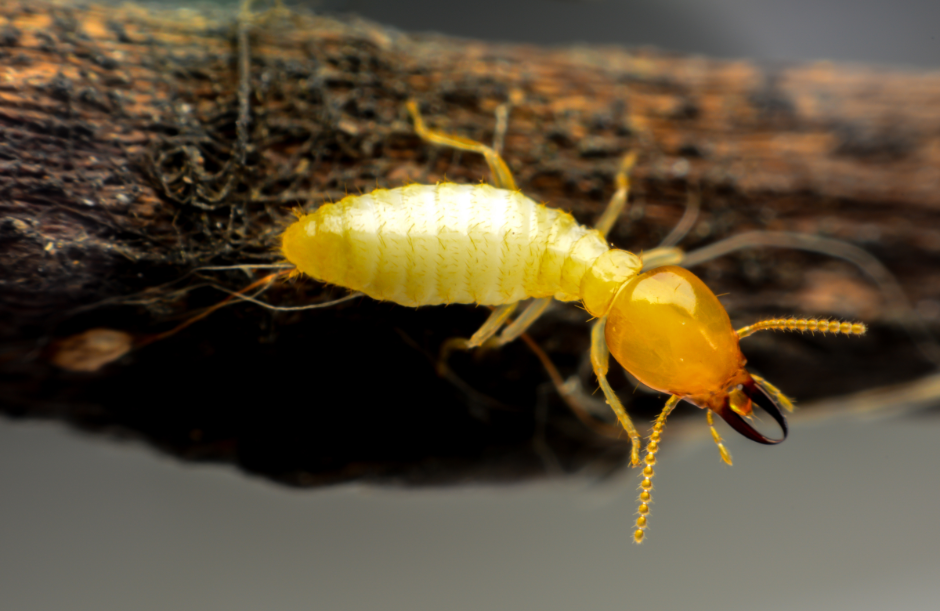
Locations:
(446, 243)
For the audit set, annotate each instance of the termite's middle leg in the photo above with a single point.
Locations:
(502, 179)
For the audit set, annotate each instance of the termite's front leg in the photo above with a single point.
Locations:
(600, 358)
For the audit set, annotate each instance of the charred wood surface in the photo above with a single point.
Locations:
(137, 146)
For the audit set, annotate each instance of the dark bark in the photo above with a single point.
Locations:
(136, 146)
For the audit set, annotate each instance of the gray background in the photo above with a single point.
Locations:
(898, 32)
(841, 516)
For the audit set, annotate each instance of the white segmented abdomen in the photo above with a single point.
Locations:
(444, 243)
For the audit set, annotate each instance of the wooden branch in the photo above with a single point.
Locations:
(137, 146)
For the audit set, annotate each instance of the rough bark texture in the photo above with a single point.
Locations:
(136, 146)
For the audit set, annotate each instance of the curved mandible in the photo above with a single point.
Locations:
(753, 391)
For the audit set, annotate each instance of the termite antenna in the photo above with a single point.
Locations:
(245, 267)
(897, 301)
(310, 306)
(802, 325)
(646, 486)
(263, 282)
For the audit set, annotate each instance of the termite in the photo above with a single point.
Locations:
(488, 245)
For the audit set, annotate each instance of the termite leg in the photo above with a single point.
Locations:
(600, 356)
(658, 257)
(619, 200)
(485, 334)
(522, 322)
(502, 177)
(666, 253)
(502, 126)
(600, 359)
(725, 454)
(689, 216)
(569, 393)
(489, 328)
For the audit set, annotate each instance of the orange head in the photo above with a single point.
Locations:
(670, 331)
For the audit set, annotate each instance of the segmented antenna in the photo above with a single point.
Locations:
(646, 486)
(804, 324)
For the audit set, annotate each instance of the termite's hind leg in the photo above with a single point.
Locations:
(568, 390)
(486, 335)
(571, 395)
(600, 359)
(486, 331)
(521, 324)
(502, 177)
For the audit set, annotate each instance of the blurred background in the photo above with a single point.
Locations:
(902, 33)
(840, 516)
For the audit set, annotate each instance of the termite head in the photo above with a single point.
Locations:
(670, 331)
